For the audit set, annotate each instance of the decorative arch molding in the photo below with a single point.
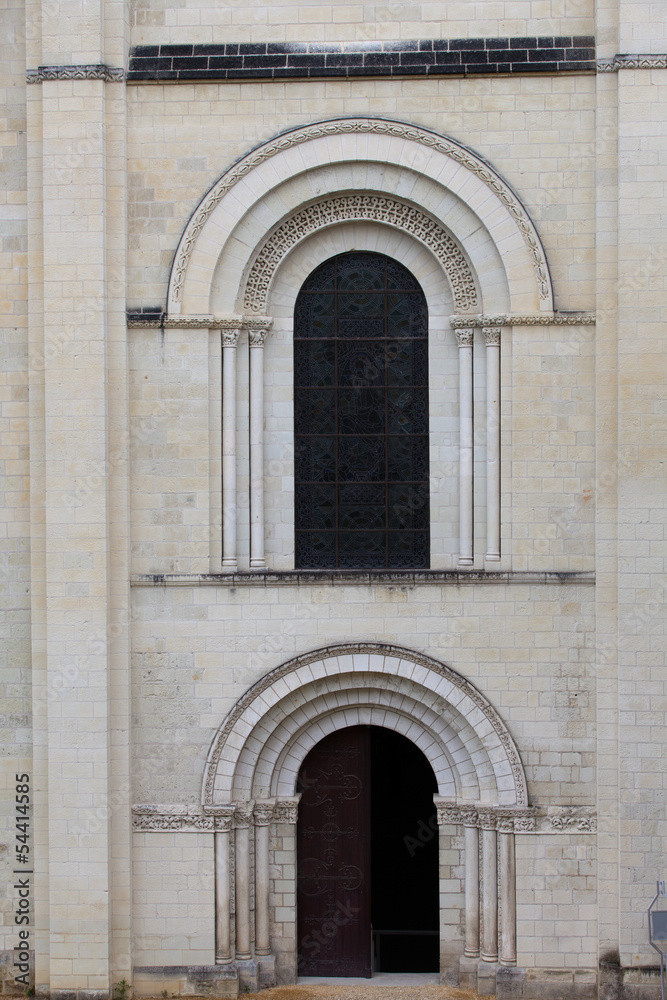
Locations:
(353, 208)
(260, 745)
(448, 163)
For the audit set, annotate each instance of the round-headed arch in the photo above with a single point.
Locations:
(454, 202)
(258, 750)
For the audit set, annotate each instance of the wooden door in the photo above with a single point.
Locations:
(333, 857)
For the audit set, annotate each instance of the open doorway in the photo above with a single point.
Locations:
(367, 857)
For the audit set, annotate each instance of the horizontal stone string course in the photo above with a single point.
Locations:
(358, 578)
(425, 57)
(86, 71)
(154, 317)
(638, 61)
(212, 819)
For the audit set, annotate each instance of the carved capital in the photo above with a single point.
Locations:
(464, 336)
(264, 812)
(488, 819)
(223, 817)
(469, 816)
(448, 813)
(230, 338)
(257, 337)
(286, 810)
(505, 823)
(491, 336)
(243, 815)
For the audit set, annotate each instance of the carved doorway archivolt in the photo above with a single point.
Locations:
(250, 788)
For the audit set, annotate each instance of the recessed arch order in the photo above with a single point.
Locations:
(258, 750)
(388, 173)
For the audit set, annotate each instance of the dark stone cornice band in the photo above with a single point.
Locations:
(421, 57)
(298, 60)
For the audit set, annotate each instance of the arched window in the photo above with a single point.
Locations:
(361, 416)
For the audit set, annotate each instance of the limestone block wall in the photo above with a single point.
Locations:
(156, 21)
(556, 901)
(173, 905)
(642, 516)
(15, 700)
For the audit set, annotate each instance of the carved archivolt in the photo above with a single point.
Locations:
(275, 685)
(360, 207)
(411, 133)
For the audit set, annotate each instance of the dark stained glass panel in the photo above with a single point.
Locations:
(361, 417)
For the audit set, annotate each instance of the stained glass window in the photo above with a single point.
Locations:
(361, 416)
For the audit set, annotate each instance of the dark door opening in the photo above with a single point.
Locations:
(404, 856)
(367, 857)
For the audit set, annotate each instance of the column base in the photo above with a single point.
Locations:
(258, 564)
(468, 972)
(492, 557)
(486, 978)
(248, 975)
(267, 971)
(466, 561)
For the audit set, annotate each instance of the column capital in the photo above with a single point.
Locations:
(488, 819)
(223, 817)
(447, 812)
(492, 335)
(257, 337)
(243, 813)
(263, 812)
(517, 820)
(464, 336)
(286, 810)
(230, 336)
(258, 328)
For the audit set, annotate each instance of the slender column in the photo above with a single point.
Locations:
(465, 339)
(471, 844)
(257, 338)
(223, 937)
(263, 816)
(229, 341)
(489, 887)
(507, 894)
(242, 821)
(492, 341)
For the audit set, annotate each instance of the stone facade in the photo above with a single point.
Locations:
(172, 173)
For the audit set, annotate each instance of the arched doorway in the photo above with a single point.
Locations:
(250, 782)
(367, 856)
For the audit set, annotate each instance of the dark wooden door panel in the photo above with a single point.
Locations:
(333, 857)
